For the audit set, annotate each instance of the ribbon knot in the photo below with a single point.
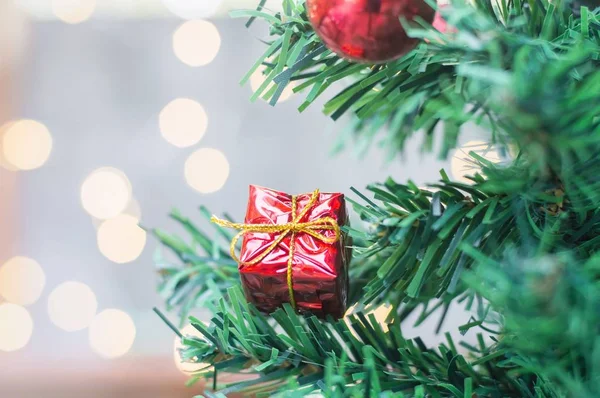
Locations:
(294, 227)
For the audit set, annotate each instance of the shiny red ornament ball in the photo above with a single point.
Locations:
(366, 30)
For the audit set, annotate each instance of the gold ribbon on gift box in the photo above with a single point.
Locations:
(294, 227)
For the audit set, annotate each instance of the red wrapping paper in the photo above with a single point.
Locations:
(320, 270)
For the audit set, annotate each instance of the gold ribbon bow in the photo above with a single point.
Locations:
(294, 227)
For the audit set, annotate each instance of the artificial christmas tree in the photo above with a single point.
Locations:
(517, 246)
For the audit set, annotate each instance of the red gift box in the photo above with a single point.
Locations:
(318, 281)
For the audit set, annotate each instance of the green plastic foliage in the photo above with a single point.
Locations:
(419, 245)
(514, 67)
(517, 246)
(352, 357)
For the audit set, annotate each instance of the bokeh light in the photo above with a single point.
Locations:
(183, 366)
(105, 193)
(26, 144)
(3, 162)
(73, 11)
(72, 306)
(257, 78)
(183, 122)
(22, 280)
(462, 165)
(133, 209)
(206, 170)
(112, 333)
(120, 239)
(16, 327)
(193, 9)
(380, 314)
(196, 43)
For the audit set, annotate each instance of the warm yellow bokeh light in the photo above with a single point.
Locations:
(120, 239)
(380, 313)
(3, 162)
(190, 9)
(257, 79)
(206, 170)
(112, 333)
(197, 42)
(186, 367)
(73, 11)
(105, 193)
(183, 122)
(22, 280)
(462, 164)
(72, 306)
(16, 327)
(26, 144)
(133, 209)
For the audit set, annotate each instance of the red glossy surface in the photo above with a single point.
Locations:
(366, 30)
(440, 23)
(320, 270)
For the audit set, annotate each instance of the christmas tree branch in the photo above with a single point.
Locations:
(419, 241)
(206, 270)
(547, 306)
(533, 296)
(352, 355)
(455, 77)
(424, 239)
(518, 245)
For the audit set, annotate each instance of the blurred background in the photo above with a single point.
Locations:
(113, 112)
